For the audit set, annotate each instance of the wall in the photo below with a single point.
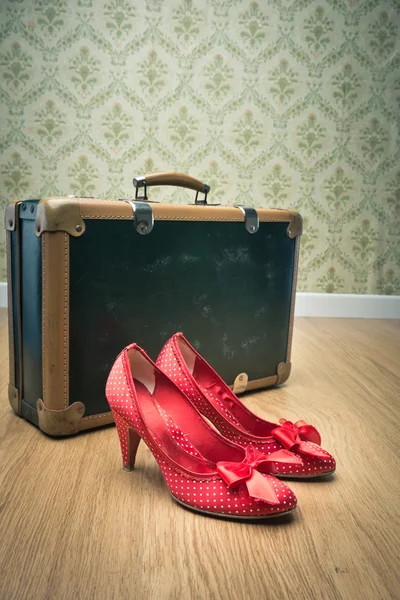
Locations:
(276, 103)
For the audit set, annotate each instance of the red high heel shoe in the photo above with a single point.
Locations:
(202, 469)
(215, 400)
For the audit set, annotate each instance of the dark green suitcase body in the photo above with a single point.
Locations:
(87, 277)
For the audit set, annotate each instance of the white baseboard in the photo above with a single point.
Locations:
(3, 294)
(355, 306)
(309, 304)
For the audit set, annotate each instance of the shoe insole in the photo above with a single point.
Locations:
(179, 428)
(223, 398)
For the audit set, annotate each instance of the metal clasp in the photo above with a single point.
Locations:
(143, 218)
(251, 221)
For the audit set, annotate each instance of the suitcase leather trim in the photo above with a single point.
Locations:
(10, 311)
(55, 319)
(55, 415)
(14, 320)
(293, 302)
(68, 214)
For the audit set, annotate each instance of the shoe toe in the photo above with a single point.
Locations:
(286, 498)
(316, 465)
(215, 497)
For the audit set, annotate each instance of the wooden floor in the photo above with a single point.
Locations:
(74, 525)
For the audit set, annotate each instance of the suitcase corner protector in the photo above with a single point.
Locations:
(10, 216)
(295, 226)
(240, 384)
(59, 214)
(14, 399)
(60, 422)
(283, 372)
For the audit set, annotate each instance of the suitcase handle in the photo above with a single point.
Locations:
(178, 179)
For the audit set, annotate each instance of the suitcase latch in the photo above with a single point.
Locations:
(143, 218)
(251, 221)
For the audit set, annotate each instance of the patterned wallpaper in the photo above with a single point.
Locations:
(289, 103)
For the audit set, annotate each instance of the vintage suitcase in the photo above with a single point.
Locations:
(88, 276)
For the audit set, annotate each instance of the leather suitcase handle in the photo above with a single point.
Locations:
(178, 179)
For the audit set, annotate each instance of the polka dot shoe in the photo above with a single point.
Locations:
(203, 470)
(214, 399)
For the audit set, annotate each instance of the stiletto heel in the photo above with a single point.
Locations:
(202, 469)
(129, 441)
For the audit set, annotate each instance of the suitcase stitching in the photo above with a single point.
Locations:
(10, 313)
(96, 416)
(66, 248)
(44, 274)
(293, 298)
(176, 218)
(261, 379)
(44, 282)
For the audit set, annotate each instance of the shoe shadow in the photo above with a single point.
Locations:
(275, 520)
(318, 479)
(150, 476)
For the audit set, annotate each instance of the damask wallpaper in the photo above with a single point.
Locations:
(288, 103)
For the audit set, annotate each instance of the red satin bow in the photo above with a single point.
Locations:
(260, 488)
(293, 435)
